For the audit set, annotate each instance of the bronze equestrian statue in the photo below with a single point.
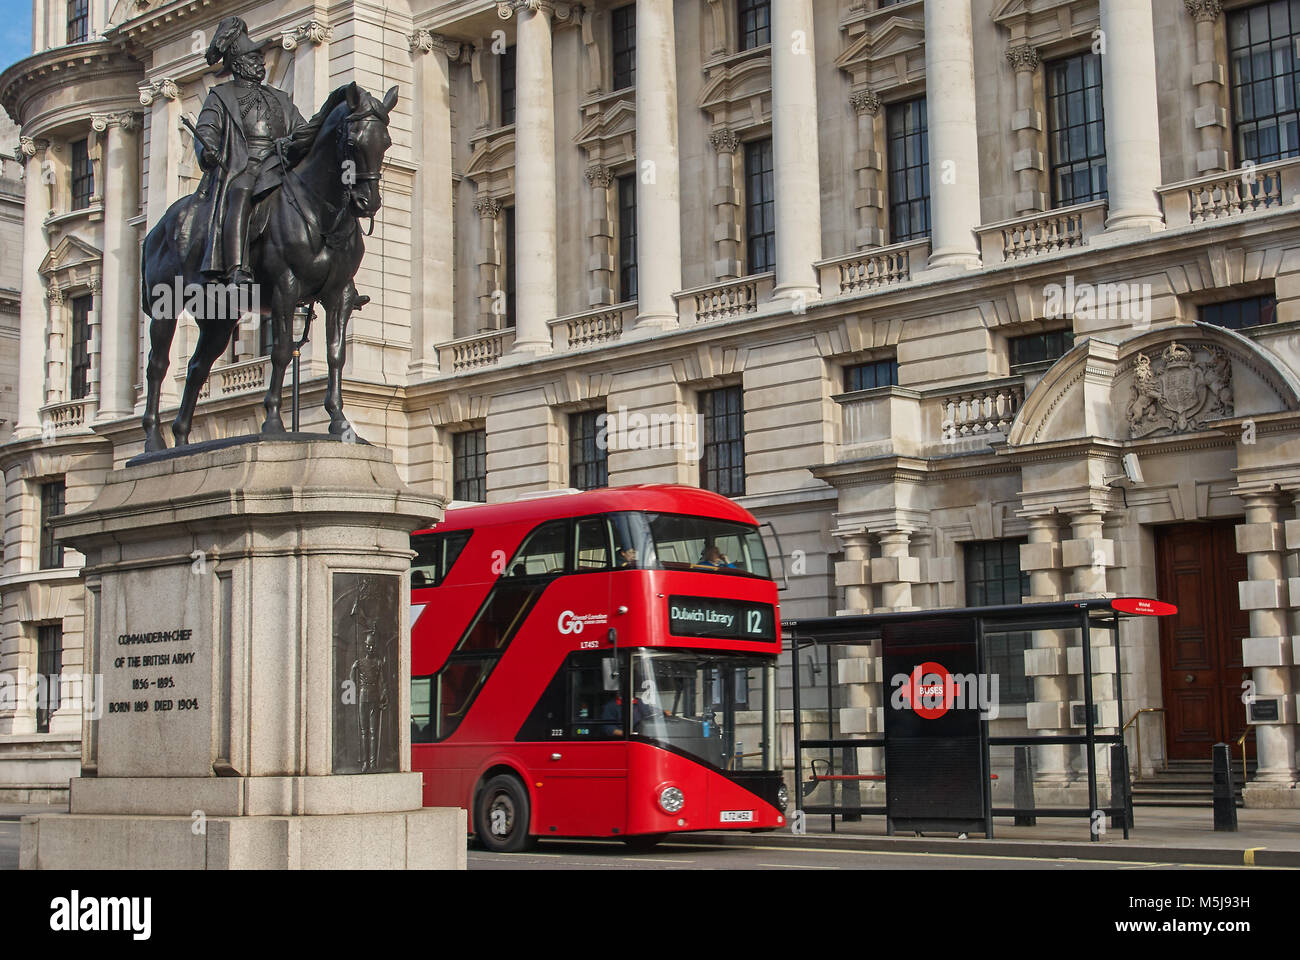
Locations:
(276, 217)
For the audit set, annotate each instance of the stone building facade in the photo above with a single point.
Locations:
(925, 273)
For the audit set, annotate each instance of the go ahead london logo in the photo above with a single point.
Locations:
(931, 690)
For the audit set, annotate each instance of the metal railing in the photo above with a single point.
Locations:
(1164, 760)
(1241, 742)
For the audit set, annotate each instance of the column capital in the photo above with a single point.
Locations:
(865, 101)
(599, 175)
(487, 207)
(1024, 56)
(1203, 11)
(724, 140)
(54, 294)
(28, 146)
(164, 87)
(425, 41)
(128, 120)
(313, 31)
(562, 11)
(94, 285)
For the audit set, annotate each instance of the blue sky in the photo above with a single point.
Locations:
(15, 31)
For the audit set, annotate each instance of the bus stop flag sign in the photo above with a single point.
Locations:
(1143, 607)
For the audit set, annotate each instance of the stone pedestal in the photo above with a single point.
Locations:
(247, 611)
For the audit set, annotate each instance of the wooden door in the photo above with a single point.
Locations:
(1200, 646)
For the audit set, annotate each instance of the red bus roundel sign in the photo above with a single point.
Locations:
(930, 690)
(1143, 607)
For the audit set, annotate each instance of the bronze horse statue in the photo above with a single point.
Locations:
(309, 246)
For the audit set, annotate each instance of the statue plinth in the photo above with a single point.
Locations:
(247, 609)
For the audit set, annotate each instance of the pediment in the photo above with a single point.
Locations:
(1172, 380)
(611, 122)
(736, 83)
(491, 156)
(68, 254)
(896, 35)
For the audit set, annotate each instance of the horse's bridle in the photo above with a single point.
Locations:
(350, 146)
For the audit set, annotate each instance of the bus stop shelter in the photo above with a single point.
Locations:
(935, 667)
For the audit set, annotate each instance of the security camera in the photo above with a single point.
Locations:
(1132, 474)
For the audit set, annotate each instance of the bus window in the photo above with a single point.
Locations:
(633, 548)
(704, 544)
(422, 709)
(595, 707)
(592, 549)
(435, 553)
(543, 551)
(458, 683)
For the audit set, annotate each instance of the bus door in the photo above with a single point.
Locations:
(585, 776)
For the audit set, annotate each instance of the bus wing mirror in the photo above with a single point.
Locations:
(785, 579)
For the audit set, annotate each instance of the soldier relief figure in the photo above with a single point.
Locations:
(276, 217)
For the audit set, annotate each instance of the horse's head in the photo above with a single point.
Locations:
(363, 141)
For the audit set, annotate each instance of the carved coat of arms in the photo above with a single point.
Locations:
(1182, 390)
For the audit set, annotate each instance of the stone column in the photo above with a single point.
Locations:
(120, 315)
(867, 165)
(491, 298)
(600, 231)
(1045, 662)
(1128, 76)
(1027, 122)
(432, 252)
(794, 152)
(1208, 77)
(954, 140)
(1268, 651)
(535, 219)
(853, 573)
(31, 345)
(55, 348)
(726, 206)
(309, 43)
(659, 224)
(895, 570)
(1089, 554)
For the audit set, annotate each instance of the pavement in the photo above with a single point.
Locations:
(1264, 838)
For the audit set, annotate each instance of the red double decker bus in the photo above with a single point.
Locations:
(598, 664)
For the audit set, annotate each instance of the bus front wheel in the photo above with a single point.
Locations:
(502, 816)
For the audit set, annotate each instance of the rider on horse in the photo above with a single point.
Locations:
(248, 133)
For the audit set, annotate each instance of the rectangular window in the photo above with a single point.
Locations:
(865, 376)
(507, 78)
(469, 466)
(78, 20)
(79, 350)
(993, 578)
(1240, 314)
(1037, 347)
(49, 665)
(1076, 130)
(755, 23)
(627, 286)
(760, 207)
(511, 271)
(1265, 71)
(83, 176)
(53, 501)
(907, 144)
(588, 457)
(623, 28)
(722, 464)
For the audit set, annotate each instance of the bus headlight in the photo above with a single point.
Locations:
(671, 799)
(782, 797)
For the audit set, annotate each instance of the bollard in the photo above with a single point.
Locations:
(1024, 792)
(1225, 798)
(1121, 796)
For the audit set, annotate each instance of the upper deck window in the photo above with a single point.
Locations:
(435, 554)
(666, 541)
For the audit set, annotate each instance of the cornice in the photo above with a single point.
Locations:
(91, 62)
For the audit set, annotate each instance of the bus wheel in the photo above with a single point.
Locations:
(645, 841)
(501, 820)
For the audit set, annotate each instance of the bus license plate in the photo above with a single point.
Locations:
(737, 816)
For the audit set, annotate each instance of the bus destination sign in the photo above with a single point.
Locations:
(702, 617)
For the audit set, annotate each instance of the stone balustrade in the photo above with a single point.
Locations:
(600, 325)
(70, 415)
(1038, 234)
(980, 411)
(1250, 189)
(725, 300)
(866, 270)
(243, 377)
(881, 421)
(474, 352)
